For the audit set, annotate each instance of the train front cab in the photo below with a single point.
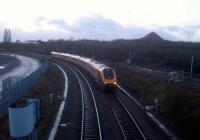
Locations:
(109, 77)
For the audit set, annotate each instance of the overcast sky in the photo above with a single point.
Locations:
(100, 19)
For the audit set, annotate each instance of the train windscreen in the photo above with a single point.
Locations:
(108, 73)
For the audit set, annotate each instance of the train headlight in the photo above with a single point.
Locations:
(115, 83)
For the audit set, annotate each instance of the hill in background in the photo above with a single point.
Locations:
(152, 37)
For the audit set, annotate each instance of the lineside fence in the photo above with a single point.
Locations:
(15, 87)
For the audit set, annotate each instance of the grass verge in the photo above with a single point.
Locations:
(179, 102)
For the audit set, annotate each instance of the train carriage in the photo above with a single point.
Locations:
(104, 75)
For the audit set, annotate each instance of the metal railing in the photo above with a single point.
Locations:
(15, 87)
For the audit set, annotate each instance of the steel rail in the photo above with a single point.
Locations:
(166, 131)
(132, 119)
(83, 109)
(95, 105)
(124, 119)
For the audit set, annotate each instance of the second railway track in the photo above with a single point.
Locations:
(91, 128)
(127, 124)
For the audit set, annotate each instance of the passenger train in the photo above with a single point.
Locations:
(104, 75)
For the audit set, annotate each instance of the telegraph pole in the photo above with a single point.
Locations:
(191, 68)
(130, 55)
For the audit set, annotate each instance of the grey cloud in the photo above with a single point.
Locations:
(186, 33)
(60, 23)
(39, 20)
(99, 27)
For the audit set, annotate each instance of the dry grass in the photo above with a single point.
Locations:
(179, 102)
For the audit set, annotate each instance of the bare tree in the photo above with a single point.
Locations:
(7, 36)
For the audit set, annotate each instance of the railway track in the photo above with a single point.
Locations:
(91, 128)
(119, 105)
(135, 107)
(126, 123)
(129, 128)
(68, 126)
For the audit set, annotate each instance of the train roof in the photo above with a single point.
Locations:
(94, 63)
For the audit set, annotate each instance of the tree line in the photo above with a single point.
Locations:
(161, 54)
